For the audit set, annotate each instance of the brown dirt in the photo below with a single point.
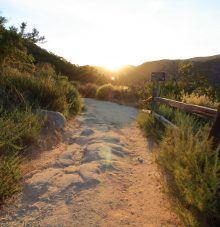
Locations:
(103, 174)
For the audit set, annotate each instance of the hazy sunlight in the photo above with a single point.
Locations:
(115, 33)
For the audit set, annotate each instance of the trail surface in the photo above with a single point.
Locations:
(102, 175)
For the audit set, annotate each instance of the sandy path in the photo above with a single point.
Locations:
(103, 176)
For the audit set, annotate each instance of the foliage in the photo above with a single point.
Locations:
(121, 94)
(191, 166)
(9, 176)
(40, 92)
(166, 111)
(193, 169)
(84, 74)
(13, 51)
(20, 127)
(88, 90)
(171, 90)
(25, 86)
(202, 100)
(150, 126)
(105, 92)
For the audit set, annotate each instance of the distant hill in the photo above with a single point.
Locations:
(209, 67)
(83, 74)
(204, 58)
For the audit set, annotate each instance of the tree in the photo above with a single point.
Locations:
(34, 36)
(12, 44)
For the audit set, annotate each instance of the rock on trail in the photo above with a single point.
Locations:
(104, 176)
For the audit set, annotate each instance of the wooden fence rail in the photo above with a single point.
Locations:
(200, 110)
(194, 109)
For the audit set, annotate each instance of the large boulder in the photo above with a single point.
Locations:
(52, 120)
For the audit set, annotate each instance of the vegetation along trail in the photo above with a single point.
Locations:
(104, 175)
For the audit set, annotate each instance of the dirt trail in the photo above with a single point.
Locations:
(104, 175)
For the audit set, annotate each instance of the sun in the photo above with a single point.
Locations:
(113, 66)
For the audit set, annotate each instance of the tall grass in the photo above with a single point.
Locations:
(18, 128)
(19, 95)
(105, 92)
(202, 100)
(150, 126)
(9, 176)
(190, 166)
(121, 94)
(39, 92)
(193, 169)
(88, 90)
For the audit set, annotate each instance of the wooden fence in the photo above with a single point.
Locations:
(200, 111)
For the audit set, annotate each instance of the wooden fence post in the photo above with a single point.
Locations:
(214, 134)
(155, 93)
(156, 77)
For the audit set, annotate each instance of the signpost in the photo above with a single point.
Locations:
(156, 77)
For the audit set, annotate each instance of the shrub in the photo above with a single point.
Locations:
(9, 176)
(166, 111)
(18, 95)
(105, 92)
(19, 128)
(150, 126)
(73, 99)
(44, 93)
(201, 100)
(192, 169)
(88, 90)
(121, 94)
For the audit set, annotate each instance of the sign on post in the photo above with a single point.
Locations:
(158, 76)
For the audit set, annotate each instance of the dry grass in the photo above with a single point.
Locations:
(201, 100)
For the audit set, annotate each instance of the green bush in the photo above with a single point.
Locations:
(166, 111)
(20, 127)
(192, 169)
(39, 92)
(121, 94)
(88, 90)
(18, 96)
(150, 126)
(105, 92)
(9, 176)
(202, 100)
(73, 99)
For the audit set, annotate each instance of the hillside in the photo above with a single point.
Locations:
(83, 74)
(209, 67)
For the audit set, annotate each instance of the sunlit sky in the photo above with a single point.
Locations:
(113, 33)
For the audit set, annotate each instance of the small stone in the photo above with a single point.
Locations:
(141, 160)
(87, 132)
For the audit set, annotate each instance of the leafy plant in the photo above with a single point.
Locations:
(9, 176)
(150, 126)
(192, 169)
(105, 92)
(202, 100)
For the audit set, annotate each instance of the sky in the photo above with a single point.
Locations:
(113, 33)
